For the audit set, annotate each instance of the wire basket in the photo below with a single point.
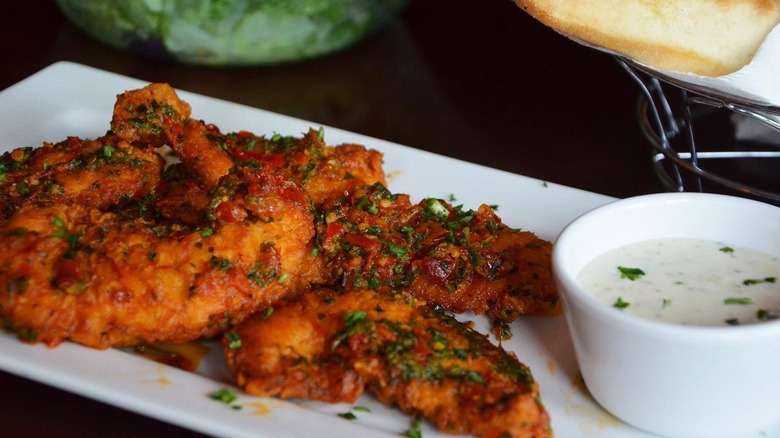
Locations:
(734, 148)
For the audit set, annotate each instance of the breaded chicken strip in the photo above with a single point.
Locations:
(100, 173)
(457, 259)
(72, 272)
(323, 171)
(331, 346)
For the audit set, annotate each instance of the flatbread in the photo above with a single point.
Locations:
(704, 37)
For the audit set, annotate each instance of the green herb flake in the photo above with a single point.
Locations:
(267, 314)
(726, 249)
(361, 409)
(284, 278)
(630, 273)
(732, 321)
(754, 281)
(57, 222)
(415, 430)
(108, 151)
(738, 301)
(397, 251)
(473, 376)
(666, 303)
(351, 318)
(347, 416)
(224, 395)
(620, 304)
(233, 341)
(206, 232)
(220, 263)
(434, 207)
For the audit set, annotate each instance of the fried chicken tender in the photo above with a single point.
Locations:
(88, 268)
(101, 279)
(322, 170)
(460, 260)
(100, 173)
(330, 346)
(150, 116)
(155, 116)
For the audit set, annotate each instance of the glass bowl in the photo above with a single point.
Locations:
(230, 32)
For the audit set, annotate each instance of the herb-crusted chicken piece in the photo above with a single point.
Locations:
(100, 173)
(460, 260)
(322, 170)
(330, 346)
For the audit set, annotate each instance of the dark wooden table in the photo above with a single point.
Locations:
(476, 80)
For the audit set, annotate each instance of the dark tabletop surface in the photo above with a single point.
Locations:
(477, 80)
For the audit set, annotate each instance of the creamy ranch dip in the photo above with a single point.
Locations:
(687, 281)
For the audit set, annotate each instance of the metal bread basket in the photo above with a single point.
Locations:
(706, 141)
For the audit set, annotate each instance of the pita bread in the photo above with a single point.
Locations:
(705, 37)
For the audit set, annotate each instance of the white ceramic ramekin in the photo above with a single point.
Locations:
(671, 379)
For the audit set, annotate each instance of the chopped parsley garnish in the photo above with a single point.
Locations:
(361, 409)
(434, 207)
(666, 303)
(348, 415)
(739, 301)
(397, 251)
(726, 249)
(268, 312)
(732, 321)
(351, 318)
(206, 232)
(108, 151)
(620, 304)
(226, 396)
(57, 222)
(630, 273)
(220, 263)
(752, 281)
(234, 341)
(414, 431)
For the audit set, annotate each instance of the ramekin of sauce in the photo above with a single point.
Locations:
(673, 305)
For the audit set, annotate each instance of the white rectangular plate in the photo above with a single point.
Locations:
(68, 99)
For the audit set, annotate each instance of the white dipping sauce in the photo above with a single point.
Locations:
(687, 281)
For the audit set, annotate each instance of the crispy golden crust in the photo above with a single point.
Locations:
(101, 173)
(323, 171)
(116, 257)
(706, 37)
(459, 260)
(75, 273)
(150, 116)
(331, 346)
